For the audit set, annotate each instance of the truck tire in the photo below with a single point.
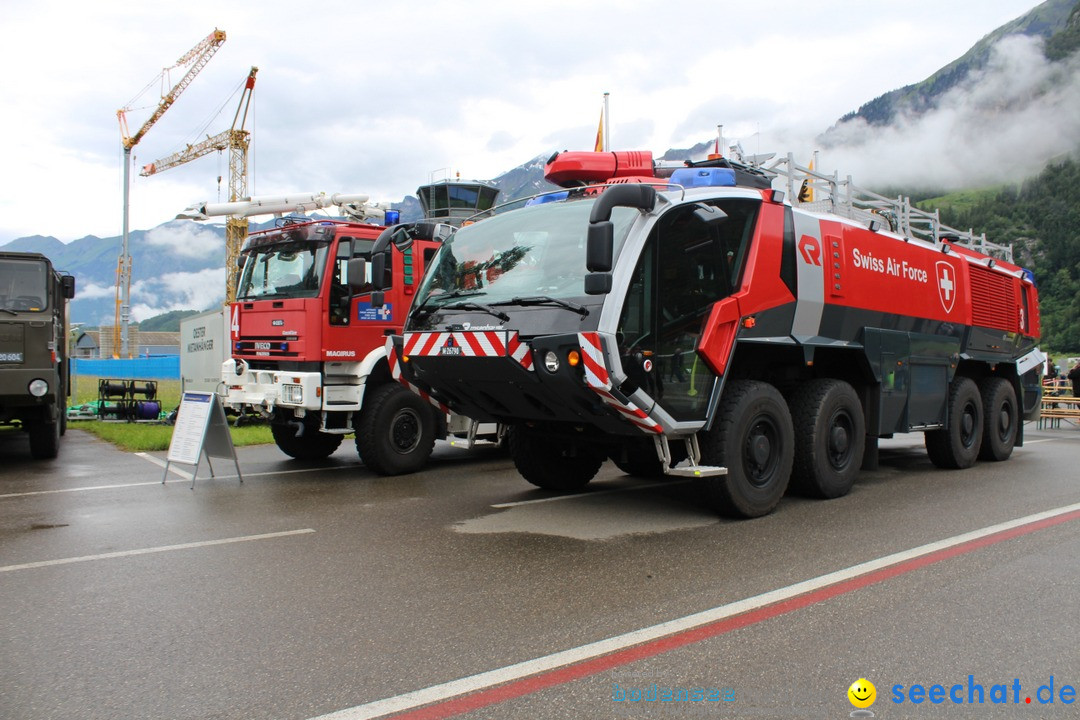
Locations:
(395, 433)
(1002, 419)
(44, 439)
(829, 438)
(753, 437)
(957, 445)
(311, 445)
(549, 464)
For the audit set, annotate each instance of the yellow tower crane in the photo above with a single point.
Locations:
(195, 60)
(236, 140)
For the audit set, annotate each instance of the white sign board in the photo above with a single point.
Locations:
(204, 340)
(201, 429)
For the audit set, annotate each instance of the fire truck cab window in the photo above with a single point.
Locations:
(539, 251)
(685, 267)
(340, 295)
(289, 270)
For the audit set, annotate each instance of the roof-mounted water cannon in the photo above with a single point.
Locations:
(355, 207)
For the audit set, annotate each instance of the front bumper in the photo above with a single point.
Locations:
(294, 390)
(493, 376)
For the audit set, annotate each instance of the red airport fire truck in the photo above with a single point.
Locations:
(308, 346)
(712, 320)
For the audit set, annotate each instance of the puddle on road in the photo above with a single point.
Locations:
(602, 515)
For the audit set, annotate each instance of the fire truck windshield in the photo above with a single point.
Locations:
(534, 251)
(293, 270)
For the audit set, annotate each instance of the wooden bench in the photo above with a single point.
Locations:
(1054, 409)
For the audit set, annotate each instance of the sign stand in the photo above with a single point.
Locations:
(201, 429)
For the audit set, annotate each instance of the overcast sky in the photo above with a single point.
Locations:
(379, 97)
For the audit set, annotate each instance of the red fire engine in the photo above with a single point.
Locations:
(308, 345)
(704, 321)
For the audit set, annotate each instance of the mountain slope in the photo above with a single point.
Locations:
(1044, 21)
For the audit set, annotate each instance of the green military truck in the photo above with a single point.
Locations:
(33, 348)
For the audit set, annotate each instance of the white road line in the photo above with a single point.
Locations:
(517, 671)
(183, 474)
(594, 493)
(81, 489)
(162, 464)
(148, 551)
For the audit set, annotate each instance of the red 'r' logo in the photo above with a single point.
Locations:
(810, 250)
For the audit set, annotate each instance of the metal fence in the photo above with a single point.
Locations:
(165, 367)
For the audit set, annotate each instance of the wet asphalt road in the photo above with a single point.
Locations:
(316, 588)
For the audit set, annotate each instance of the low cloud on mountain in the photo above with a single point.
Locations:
(185, 240)
(1000, 125)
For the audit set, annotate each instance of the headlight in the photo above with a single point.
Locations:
(551, 361)
(38, 387)
(292, 394)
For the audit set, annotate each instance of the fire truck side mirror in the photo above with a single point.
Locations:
(598, 283)
(67, 286)
(378, 270)
(378, 299)
(600, 239)
(357, 274)
(599, 246)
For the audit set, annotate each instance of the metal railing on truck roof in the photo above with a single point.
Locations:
(842, 197)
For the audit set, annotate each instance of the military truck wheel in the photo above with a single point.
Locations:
(957, 445)
(829, 430)
(311, 445)
(395, 433)
(753, 437)
(549, 464)
(1002, 419)
(44, 439)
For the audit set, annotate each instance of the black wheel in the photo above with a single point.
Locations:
(1002, 419)
(311, 445)
(753, 438)
(957, 445)
(829, 432)
(44, 439)
(550, 464)
(395, 433)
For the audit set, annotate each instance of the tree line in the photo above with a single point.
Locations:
(1041, 218)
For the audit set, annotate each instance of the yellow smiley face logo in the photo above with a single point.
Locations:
(862, 693)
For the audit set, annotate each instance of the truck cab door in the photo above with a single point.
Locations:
(344, 290)
(692, 259)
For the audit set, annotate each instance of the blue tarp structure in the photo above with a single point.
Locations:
(166, 367)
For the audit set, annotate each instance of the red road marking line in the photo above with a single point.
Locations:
(560, 676)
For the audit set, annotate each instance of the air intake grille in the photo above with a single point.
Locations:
(993, 301)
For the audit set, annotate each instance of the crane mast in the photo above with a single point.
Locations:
(237, 141)
(196, 58)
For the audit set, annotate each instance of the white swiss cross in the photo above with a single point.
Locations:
(946, 285)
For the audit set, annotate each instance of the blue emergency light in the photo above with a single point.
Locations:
(550, 197)
(704, 177)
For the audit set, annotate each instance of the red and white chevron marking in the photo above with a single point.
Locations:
(395, 372)
(598, 379)
(469, 343)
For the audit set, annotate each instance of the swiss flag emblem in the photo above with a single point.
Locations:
(946, 285)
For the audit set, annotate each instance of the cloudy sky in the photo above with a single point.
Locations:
(379, 97)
